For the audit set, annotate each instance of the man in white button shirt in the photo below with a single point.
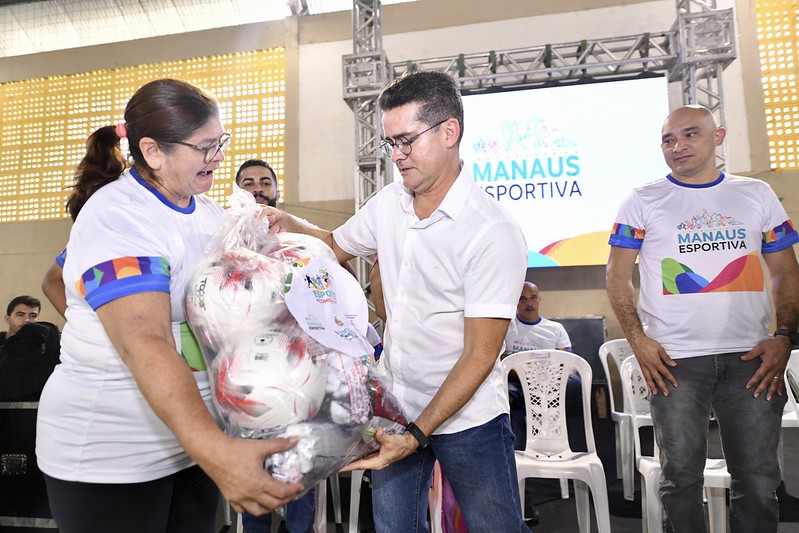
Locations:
(451, 264)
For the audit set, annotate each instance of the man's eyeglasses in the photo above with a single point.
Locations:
(402, 144)
(210, 151)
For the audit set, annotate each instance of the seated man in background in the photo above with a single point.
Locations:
(29, 351)
(530, 331)
(20, 311)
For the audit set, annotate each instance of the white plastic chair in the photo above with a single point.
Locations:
(717, 479)
(356, 479)
(790, 415)
(320, 517)
(618, 350)
(320, 513)
(543, 375)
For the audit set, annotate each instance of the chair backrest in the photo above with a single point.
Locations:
(544, 375)
(616, 350)
(636, 400)
(792, 380)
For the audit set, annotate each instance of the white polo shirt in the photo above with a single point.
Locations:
(467, 260)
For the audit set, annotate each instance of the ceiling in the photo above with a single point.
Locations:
(33, 26)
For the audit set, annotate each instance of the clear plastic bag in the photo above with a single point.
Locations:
(282, 330)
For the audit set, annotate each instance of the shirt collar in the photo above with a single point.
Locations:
(454, 201)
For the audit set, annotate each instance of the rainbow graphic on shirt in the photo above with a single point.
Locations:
(742, 274)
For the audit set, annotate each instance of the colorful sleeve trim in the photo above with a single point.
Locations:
(780, 237)
(123, 276)
(626, 236)
(61, 258)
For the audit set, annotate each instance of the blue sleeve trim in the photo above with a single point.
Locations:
(625, 242)
(787, 241)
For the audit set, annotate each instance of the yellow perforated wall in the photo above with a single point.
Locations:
(778, 41)
(44, 123)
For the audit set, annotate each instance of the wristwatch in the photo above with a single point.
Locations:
(418, 434)
(792, 335)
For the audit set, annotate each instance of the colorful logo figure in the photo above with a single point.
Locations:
(707, 221)
(521, 137)
(320, 282)
(320, 285)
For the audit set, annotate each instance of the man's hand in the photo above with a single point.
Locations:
(773, 354)
(654, 363)
(238, 471)
(274, 216)
(392, 449)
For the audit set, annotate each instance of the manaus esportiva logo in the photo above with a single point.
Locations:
(526, 160)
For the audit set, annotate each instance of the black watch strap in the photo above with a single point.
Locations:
(792, 335)
(418, 434)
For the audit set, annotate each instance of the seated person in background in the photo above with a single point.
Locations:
(29, 351)
(531, 331)
(20, 311)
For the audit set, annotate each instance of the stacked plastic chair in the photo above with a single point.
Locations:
(617, 351)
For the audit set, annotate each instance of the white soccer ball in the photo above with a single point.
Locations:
(296, 248)
(269, 379)
(235, 291)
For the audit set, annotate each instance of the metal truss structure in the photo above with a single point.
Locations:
(706, 46)
(694, 52)
(365, 73)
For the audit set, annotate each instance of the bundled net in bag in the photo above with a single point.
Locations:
(281, 326)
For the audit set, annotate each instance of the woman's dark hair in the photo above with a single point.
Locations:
(165, 110)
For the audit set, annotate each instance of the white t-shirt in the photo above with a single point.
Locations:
(543, 334)
(467, 260)
(94, 425)
(703, 288)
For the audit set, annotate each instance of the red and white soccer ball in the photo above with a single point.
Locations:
(234, 292)
(268, 380)
(296, 247)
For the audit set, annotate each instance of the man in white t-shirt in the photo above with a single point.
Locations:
(699, 331)
(531, 331)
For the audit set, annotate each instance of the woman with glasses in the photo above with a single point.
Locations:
(125, 437)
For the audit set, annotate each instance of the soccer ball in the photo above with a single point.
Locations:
(269, 379)
(235, 291)
(296, 247)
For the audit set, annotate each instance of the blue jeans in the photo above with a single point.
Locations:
(750, 433)
(481, 468)
(299, 517)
